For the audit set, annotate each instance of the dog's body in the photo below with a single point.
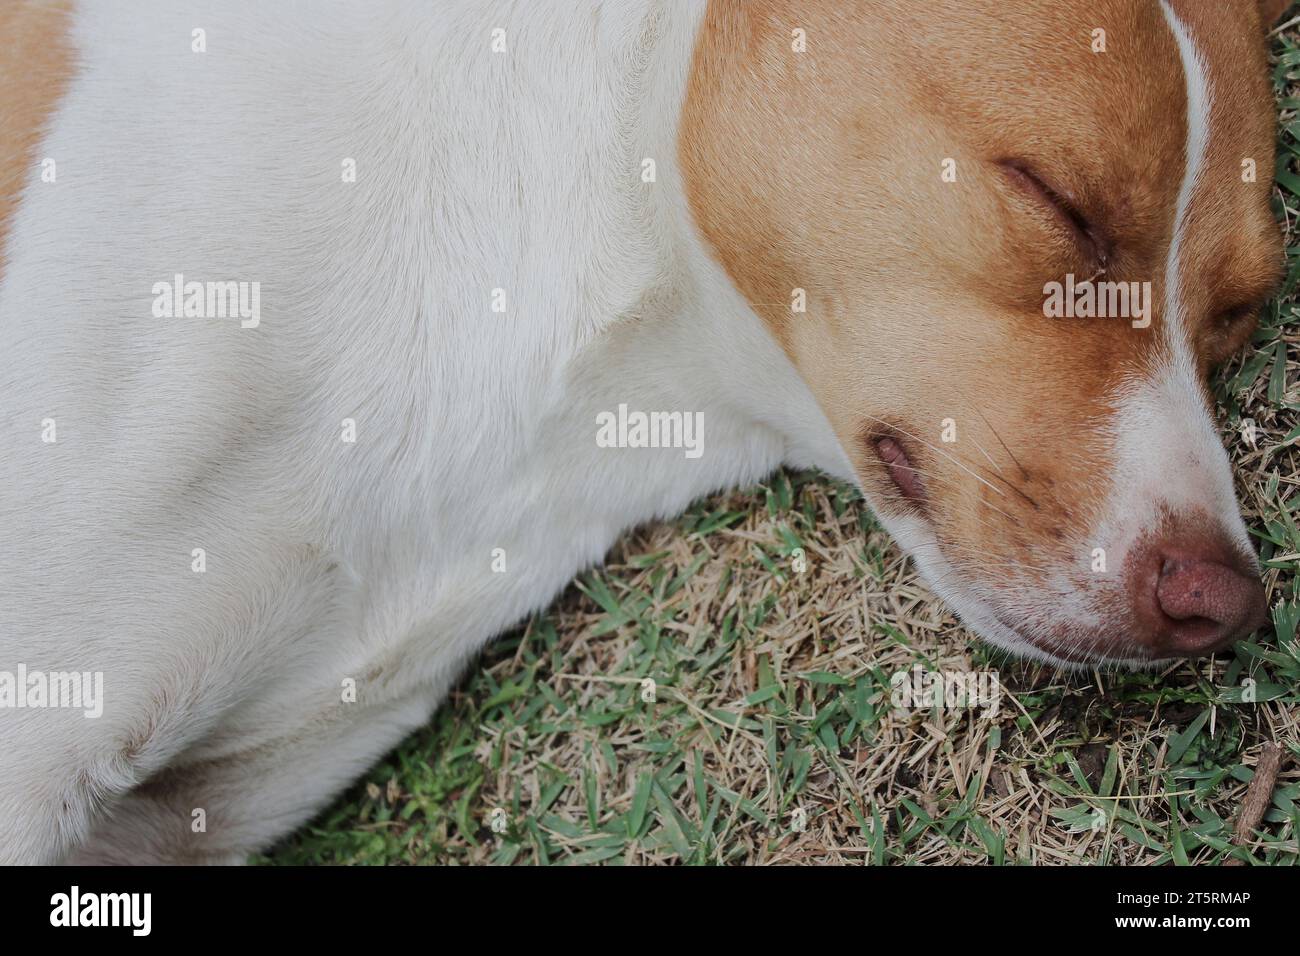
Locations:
(238, 522)
(327, 560)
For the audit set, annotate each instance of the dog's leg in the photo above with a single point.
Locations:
(44, 810)
(209, 667)
(219, 811)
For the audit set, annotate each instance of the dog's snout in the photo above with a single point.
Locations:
(1196, 597)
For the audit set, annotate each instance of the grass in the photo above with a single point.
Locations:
(770, 737)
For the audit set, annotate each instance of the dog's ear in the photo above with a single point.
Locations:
(1271, 10)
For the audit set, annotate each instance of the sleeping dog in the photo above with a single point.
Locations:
(335, 338)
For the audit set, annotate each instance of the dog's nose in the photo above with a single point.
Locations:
(1205, 604)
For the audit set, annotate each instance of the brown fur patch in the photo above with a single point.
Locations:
(1270, 11)
(36, 63)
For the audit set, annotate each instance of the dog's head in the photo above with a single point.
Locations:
(915, 198)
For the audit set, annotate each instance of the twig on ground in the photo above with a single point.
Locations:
(1258, 796)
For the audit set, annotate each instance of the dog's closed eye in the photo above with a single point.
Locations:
(1090, 240)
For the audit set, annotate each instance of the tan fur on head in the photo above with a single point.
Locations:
(821, 170)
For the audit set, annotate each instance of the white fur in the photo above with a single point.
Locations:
(1169, 450)
(326, 561)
